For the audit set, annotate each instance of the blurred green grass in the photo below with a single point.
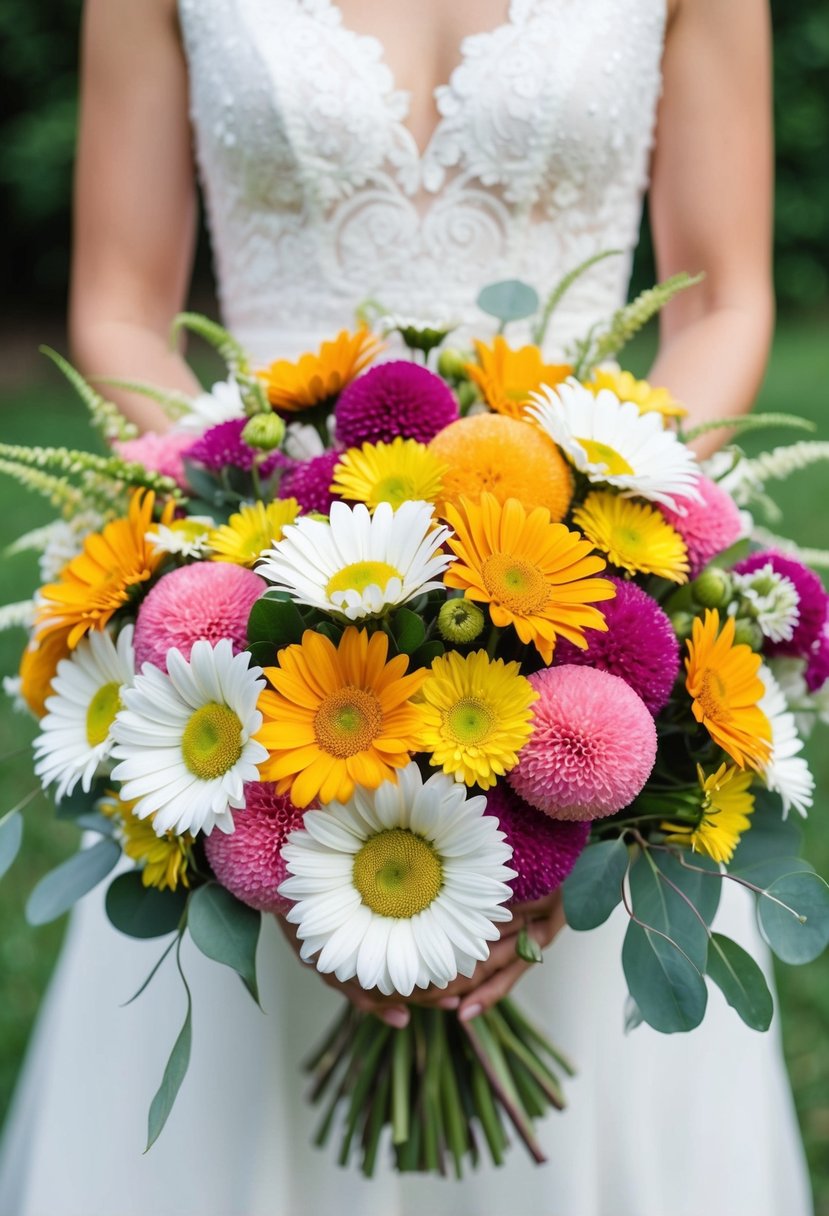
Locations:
(46, 411)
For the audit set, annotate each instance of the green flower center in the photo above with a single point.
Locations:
(397, 873)
(470, 721)
(101, 712)
(348, 721)
(360, 575)
(516, 584)
(394, 489)
(600, 453)
(212, 741)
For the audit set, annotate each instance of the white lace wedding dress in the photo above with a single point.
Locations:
(319, 197)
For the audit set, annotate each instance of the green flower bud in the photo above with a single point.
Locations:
(264, 431)
(683, 623)
(748, 633)
(467, 395)
(452, 364)
(460, 621)
(713, 588)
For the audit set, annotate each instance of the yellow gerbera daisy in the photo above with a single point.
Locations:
(649, 399)
(727, 803)
(634, 535)
(722, 678)
(164, 860)
(389, 472)
(340, 716)
(99, 581)
(254, 528)
(315, 378)
(535, 575)
(477, 716)
(506, 377)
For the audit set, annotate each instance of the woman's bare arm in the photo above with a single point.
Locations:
(134, 199)
(711, 205)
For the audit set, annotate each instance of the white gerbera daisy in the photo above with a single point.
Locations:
(76, 733)
(358, 564)
(786, 772)
(401, 886)
(611, 442)
(222, 404)
(185, 739)
(183, 537)
(770, 599)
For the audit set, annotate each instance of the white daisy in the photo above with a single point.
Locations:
(808, 708)
(185, 739)
(302, 441)
(401, 886)
(770, 599)
(612, 443)
(786, 772)
(183, 537)
(222, 404)
(76, 734)
(358, 564)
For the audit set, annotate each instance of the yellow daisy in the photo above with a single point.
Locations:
(649, 399)
(252, 530)
(164, 860)
(318, 377)
(477, 716)
(727, 803)
(101, 579)
(635, 536)
(534, 575)
(339, 716)
(726, 690)
(506, 377)
(389, 472)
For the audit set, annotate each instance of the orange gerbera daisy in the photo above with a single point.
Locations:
(506, 458)
(506, 377)
(39, 666)
(649, 399)
(722, 679)
(316, 378)
(340, 716)
(534, 574)
(96, 583)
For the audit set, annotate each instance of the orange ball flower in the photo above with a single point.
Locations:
(506, 377)
(317, 378)
(506, 458)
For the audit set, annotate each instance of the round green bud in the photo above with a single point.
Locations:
(467, 395)
(452, 364)
(264, 431)
(713, 588)
(460, 621)
(748, 633)
(683, 623)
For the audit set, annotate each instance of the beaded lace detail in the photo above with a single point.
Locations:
(319, 197)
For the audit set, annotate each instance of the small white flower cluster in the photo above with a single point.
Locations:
(770, 599)
(222, 404)
(65, 540)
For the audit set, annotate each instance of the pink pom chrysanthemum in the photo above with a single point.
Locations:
(810, 638)
(708, 527)
(309, 482)
(396, 398)
(222, 447)
(210, 600)
(248, 861)
(544, 850)
(640, 645)
(817, 666)
(592, 748)
(158, 453)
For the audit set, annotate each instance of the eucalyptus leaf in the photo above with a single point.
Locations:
(741, 981)
(762, 873)
(594, 886)
(795, 938)
(174, 1072)
(143, 912)
(276, 621)
(633, 1014)
(664, 983)
(509, 300)
(409, 631)
(11, 837)
(226, 930)
(96, 822)
(770, 836)
(661, 907)
(61, 888)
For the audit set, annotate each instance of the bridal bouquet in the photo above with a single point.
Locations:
(389, 648)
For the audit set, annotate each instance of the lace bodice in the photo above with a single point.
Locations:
(319, 197)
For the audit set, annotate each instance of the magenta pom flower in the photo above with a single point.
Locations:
(809, 639)
(248, 861)
(544, 850)
(309, 482)
(592, 748)
(817, 667)
(396, 398)
(222, 446)
(708, 527)
(158, 453)
(640, 645)
(210, 600)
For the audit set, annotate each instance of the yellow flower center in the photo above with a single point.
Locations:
(600, 453)
(348, 721)
(101, 712)
(394, 489)
(212, 741)
(470, 721)
(518, 585)
(397, 873)
(712, 695)
(360, 575)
